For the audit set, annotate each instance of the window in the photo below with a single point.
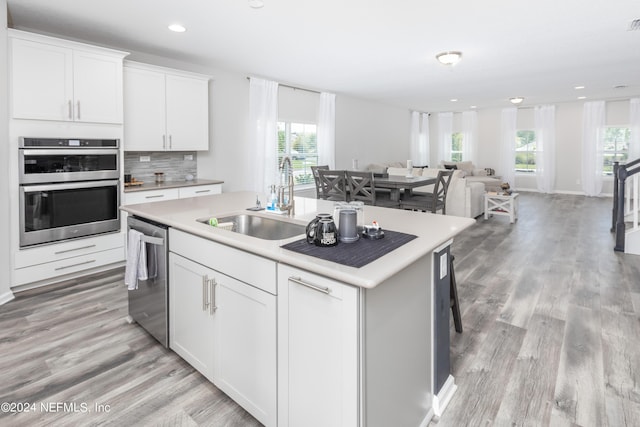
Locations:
(526, 151)
(615, 147)
(299, 142)
(456, 146)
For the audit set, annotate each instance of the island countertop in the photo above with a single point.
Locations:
(431, 230)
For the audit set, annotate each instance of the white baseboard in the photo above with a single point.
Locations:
(442, 399)
(6, 297)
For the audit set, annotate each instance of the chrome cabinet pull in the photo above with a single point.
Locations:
(70, 110)
(164, 142)
(170, 142)
(64, 267)
(74, 249)
(299, 281)
(213, 307)
(154, 197)
(205, 296)
(78, 110)
(202, 191)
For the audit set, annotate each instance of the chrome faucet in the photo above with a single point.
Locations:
(290, 206)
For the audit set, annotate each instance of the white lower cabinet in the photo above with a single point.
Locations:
(226, 329)
(317, 350)
(190, 323)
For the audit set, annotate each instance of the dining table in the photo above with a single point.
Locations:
(395, 183)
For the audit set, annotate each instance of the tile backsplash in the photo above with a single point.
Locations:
(176, 165)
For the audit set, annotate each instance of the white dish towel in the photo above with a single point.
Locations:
(136, 266)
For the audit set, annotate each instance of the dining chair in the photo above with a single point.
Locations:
(316, 179)
(333, 185)
(360, 187)
(431, 202)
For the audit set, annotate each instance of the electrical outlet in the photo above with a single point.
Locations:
(145, 158)
(188, 156)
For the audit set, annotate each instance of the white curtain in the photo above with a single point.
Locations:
(593, 122)
(445, 130)
(263, 133)
(469, 132)
(509, 118)
(414, 144)
(419, 138)
(425, 159)
(545, 123)
(634, 121)
(327, 130)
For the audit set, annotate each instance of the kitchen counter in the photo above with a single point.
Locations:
(170, 184)
(431, 230)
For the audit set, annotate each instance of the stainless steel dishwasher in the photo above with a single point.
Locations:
(149, 304)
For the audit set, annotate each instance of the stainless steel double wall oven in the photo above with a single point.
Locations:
(69, 188)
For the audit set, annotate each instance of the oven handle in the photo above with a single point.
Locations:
(68, 186)
(68, 151)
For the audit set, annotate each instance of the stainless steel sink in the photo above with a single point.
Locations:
(261, 227)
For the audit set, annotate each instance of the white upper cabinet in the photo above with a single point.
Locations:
(53, 79)
(164, 109)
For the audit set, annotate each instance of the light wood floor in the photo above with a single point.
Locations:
(552, 337)
(551, 318)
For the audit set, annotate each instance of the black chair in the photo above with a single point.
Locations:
(453, 293)
(316, 179)
(431, 202)
(333, 185)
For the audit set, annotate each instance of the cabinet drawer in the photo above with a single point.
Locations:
(70, 249)
(51, 270)
(200, 190)
(150, 196)
(252, 269)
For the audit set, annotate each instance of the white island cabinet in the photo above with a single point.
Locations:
(53, 79)
(225, 326)
(356, 347)
(165, 109)
(317, 350)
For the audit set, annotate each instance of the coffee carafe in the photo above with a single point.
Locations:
(322, 231)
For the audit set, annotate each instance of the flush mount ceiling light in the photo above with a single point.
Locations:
(256, 4)
(516, 100)
(449, 58)
(177, 28)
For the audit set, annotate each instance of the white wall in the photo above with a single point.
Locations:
(370, 132)
(568, 142)
(5, 245)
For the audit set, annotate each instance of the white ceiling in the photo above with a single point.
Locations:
(378, 49)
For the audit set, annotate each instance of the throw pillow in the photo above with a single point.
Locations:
(446, 166)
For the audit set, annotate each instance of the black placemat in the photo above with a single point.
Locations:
(356, 254)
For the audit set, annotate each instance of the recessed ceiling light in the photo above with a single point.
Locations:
(256, 4)
(177, 28)
(582, 97)
(516, 100)
(578, 87)
(449, 58)
(453, 100)
(473, 106)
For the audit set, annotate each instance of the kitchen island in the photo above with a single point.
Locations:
(298, 340)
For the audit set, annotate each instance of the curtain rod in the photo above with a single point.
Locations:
(294, 87)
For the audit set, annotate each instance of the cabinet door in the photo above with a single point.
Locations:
(317, 350)
(245, 350)
(187, 113)
(41, 81)
(97, 88)
(190, 321)
(144, 110)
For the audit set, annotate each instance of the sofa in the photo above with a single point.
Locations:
(464, 198)
(473, 174)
